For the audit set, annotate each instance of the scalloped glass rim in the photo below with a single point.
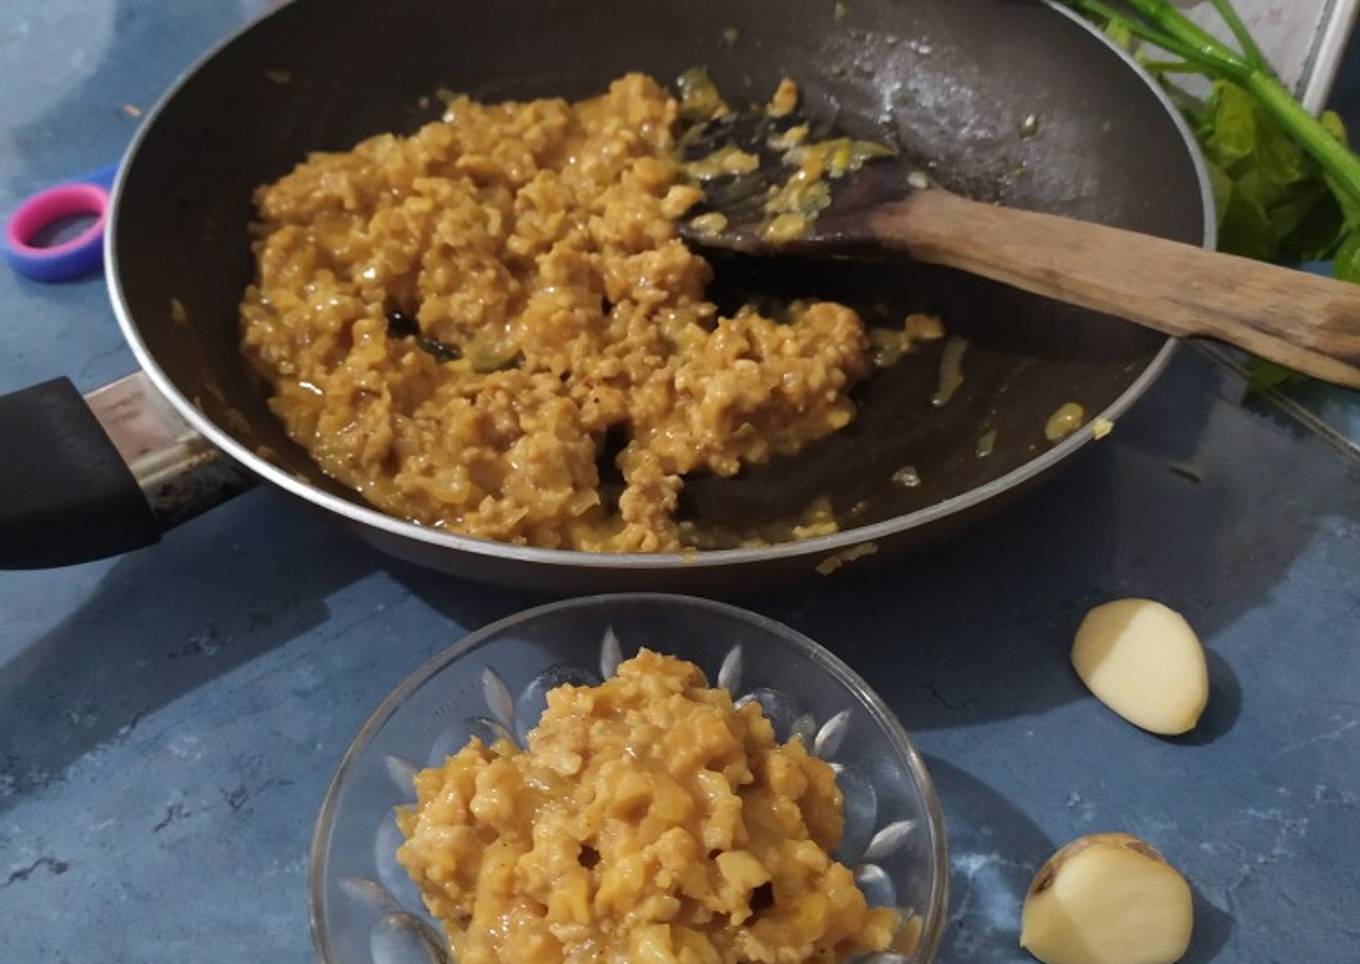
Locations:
(932, 915)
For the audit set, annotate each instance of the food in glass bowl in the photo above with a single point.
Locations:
(649, 819)
(493, 685)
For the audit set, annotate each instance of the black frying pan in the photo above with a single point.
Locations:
(951, 80)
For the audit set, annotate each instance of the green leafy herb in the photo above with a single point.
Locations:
(1274, 200)
(1286, 183)
(1266, 376)
(1348, 258)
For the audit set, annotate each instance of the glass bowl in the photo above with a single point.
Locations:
(364, 908)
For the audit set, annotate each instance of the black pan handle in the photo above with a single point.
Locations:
(88, 477)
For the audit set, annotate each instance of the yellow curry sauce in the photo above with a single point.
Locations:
(650, 821)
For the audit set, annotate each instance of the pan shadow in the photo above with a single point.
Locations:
(979, 628)
(469, 604)
(78, 685)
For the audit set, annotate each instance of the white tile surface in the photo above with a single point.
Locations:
(1303, 39)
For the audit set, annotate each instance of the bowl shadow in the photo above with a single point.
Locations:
(1213, 930)
(994, 852)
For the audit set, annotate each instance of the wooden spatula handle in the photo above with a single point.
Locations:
(1308, 323)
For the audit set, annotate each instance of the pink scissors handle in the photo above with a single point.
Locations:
(74, 258)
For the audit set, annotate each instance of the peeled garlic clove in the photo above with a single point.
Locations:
(1108, 898)
(1143, 661)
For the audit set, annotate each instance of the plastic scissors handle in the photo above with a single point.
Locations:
(79, 256)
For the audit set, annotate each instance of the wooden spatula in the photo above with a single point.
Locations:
(1305, 322)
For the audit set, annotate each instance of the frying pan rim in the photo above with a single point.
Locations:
(827, 545)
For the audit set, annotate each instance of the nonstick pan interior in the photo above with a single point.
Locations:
(953, 81)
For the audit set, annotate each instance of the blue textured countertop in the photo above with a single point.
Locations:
(169, 720)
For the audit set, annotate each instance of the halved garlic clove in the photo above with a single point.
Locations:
(1107, 898)
(1142, 660)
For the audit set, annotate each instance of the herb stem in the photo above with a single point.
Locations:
(1215, 58)
(1171, 67)
(1244, 38)
(1172, 21)
(1163, 25)
(1335, 158)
